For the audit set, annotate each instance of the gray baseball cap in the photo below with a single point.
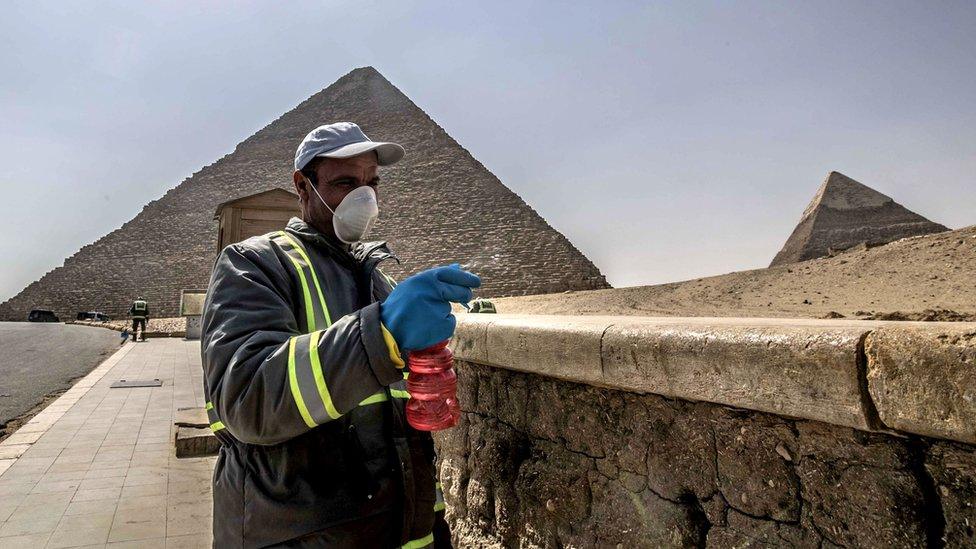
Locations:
(344, 140)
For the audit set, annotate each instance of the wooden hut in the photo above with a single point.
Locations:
(254, 215)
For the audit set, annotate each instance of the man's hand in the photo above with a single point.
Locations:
(418, 311)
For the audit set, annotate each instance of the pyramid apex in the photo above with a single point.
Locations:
(841, 192)
(836, 178)
(368, 69)
(359, 76)
(364, 73)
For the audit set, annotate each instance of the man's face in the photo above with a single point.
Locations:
(336, 178)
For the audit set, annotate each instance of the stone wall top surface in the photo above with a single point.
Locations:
(914, 377)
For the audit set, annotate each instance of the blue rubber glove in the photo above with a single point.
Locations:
(418, 312)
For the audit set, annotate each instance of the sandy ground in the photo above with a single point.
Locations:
(912, 279)
(38, 359)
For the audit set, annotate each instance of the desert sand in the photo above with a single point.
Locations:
(930, 277)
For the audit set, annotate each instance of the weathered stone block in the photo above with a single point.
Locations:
(470, 339)
(796, 368)
(922, 378)
(744, 531)
(860, 489)
(191, 417)
(196, 442)
(679, 442)
(753, 477)
(639, 518)
(561, 347)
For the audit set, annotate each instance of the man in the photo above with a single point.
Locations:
(139, 311)
(303, 346)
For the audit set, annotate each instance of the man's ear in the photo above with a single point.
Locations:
(300, 185)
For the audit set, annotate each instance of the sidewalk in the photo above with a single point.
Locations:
(97, 467)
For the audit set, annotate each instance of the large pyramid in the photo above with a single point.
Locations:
(439, 205)
(845, 213)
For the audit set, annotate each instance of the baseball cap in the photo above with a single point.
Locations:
(344, 140)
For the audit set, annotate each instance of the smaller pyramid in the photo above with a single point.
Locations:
(844, 214)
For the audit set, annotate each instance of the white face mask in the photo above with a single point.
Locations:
(354, 216)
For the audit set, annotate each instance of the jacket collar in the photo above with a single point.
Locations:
(361, 252)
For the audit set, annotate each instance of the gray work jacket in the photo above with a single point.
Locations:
(306, 394)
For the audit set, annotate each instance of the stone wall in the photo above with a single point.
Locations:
(551, 457)
(439, 205)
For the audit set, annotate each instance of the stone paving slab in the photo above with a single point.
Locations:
(97, 467)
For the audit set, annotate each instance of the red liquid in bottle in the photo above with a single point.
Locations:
(432, 385)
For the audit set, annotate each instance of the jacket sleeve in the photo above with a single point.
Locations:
(268, 382)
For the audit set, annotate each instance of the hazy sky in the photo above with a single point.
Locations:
(666, 140)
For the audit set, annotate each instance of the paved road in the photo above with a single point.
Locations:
(38, 358)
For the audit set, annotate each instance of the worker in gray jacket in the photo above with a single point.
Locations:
(303, 345)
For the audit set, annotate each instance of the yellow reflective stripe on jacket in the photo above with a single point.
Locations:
(389, 279)
(307, 381)
(398, 389)
(419, 543)
(306, 294)
(296, 392)
(215, 423)
(315, 279)
(374, 399)
(438, 498)
(319, 377)
(392, 346)
(318, 318)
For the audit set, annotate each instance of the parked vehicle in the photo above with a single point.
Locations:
(93, 315)
(42, 315)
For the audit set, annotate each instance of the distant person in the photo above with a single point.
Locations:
(303, 344)
(140, 316)
(481, 305)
